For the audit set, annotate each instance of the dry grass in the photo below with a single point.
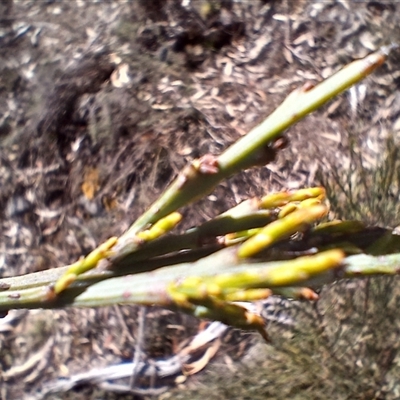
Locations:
(186, 99)
(369, 193)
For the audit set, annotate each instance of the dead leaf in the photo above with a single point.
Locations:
(197, 366)
(90, 183)
(120, 77)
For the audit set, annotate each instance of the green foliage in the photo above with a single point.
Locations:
(232, 257)
(367, 193)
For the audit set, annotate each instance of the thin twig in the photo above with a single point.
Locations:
(138, 346)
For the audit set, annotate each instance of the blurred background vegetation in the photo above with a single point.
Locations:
(87, 144)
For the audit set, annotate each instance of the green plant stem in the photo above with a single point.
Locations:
(244, 216)
(166, 276)
(32, 290)
(201, 176)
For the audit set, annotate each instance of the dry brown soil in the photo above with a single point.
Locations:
(101, 104)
